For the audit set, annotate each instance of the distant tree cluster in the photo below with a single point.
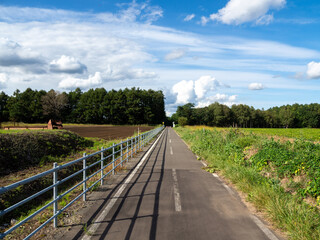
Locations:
(216, 114)
(97, 106)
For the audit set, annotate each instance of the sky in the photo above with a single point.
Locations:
(262, 53)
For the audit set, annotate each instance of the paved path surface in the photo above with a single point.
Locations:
(169, 196)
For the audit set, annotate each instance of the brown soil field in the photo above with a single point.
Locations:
(107, 132)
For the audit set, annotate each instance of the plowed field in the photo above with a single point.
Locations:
(107, 132)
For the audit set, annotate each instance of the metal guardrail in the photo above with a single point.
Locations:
(120, 153)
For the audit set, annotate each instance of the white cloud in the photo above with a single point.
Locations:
(270, 49)
(66, 64)
(205, 84)
(185, 91)
(3, 80)
(241, 11)
(128, 13)
(140, 11)
(13, 54)
(313, 71)
(265, 20)
(189, 17)
(176, 54)
(117, 48)
(112, 73)
(221, 98)
(256, 86)
(232, 98)
(117, 73)
(194, 91)
(204, 20)
(72, 83)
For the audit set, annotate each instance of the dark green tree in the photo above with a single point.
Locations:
(4, 112)
(91, 106)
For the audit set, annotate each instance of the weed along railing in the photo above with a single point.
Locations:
(106, 162)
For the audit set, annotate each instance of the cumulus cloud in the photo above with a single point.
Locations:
(194, 91)
(221, 98)
(3, 80)
(189, 17)
(313, 71)
(205, 84)
(256, 86)
(13, 54)
(72, 83)
(185, 91)
(240, 11)
(176, 54)
(66, 64)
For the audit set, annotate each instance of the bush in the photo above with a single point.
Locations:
(21, 150)
(182, 121)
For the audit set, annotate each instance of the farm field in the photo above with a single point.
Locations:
(281, 178)
(106, 132)
(311, 134)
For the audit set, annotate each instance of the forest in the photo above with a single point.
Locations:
(95, 106)
(137, 106)
(219, 115)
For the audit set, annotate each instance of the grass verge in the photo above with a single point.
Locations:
(235, 155)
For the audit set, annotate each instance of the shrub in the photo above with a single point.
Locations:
(182, 121)
(29, 148)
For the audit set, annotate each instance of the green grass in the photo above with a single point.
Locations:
(311, 134)
(23, 130)
(257, 166)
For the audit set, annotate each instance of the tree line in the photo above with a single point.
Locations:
(96, 106)
(216, 114)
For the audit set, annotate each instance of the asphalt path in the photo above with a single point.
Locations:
(167, 195)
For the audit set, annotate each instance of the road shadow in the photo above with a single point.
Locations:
(155, 213)
(109, 196)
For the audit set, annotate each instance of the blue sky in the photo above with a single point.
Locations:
(261, 53)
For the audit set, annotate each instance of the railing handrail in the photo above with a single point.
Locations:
(135, 143)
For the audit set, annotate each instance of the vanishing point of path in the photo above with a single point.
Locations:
(167, 195)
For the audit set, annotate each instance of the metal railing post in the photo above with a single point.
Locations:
(101, 182)
(139, 142)
(143, 141)
(84, 177)
(113, 159)
(55, 195)
(135, 145)
(131, 147)
(127, 149)
(121, 149)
